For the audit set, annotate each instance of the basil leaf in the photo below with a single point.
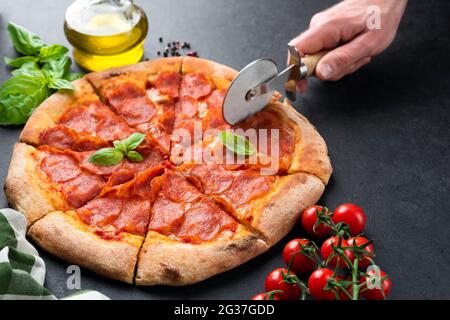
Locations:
(106, 157)
(133, 141)
(72, 76)
(19, 62)
(134, 156)
(53, 52)
(236, 143)
(31, 69)
(120, 145)
(58, 68)
(24, 41)
(60, 84)
(19, 96)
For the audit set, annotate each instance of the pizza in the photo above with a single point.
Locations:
(180, 214)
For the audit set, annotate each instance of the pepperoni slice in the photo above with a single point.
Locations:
(187, 106)
(109, 126)
(151, 159)
(167, 119)
(83, 188)
(119, 177)
(137, 110)
(111, 129)
(101, 211)
(178, 189)
(144, 185)
(169, 83)
(213, 177)
(123, 91)
(246, 186)
(203, 222)
(215, 99)
(100, 110)
(59, 167)
(195, 85)
(134, 216)
(58, 137)
(88, 143)
(80, 120)
(166, 215)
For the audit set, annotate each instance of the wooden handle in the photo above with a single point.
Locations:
(312, 61)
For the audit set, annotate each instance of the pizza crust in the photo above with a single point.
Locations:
(311, 152)
(48, 113)
(276, 213)
(220, 74)
(136, 73)
(28, 190)
(168, 262)
(64, 235)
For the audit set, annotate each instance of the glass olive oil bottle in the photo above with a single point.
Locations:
(106, 33)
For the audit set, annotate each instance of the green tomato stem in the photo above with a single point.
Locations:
(355, 286)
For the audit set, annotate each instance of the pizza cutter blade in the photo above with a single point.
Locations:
(254, 86)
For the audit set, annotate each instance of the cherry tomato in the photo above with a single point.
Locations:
(275, 281)
(301, 262)
(317, 282)
(376, 294)
(352, 215)
(264, 296)
(327, 250)
(359, 241)
(309, 219)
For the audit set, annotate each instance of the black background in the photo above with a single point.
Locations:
(387, 128)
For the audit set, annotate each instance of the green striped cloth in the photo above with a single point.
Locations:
(22, 271)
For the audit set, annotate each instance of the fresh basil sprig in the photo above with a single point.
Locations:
(24, 41)
(42, 69)
(124, 148)
(236, 143)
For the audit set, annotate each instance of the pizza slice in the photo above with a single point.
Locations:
(76, 120)
(269, 205)
(284, 142)
(42, 181)
(202, 90)
(106, 234)
(190, 237)
(45, 179)
(144, 95)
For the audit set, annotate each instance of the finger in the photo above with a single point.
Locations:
(324, 36)
(302, 86)
(353, 68)
(339, 60)
(359, 65)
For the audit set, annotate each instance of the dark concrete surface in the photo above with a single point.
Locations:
(387, 129)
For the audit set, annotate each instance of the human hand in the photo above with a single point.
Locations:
(344, 30)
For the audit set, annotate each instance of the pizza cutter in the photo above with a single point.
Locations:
(254, 86)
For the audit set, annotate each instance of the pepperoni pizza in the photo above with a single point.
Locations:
(166, 219)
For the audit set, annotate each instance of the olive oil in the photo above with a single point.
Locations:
(106, 33)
